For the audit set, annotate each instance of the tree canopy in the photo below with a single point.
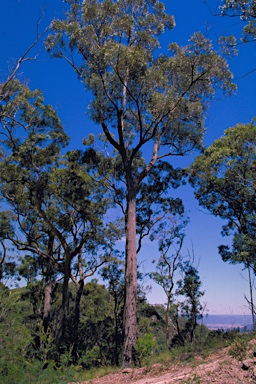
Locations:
(224, 181)
(246, 10)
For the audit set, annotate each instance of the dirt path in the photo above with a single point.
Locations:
(218, 368)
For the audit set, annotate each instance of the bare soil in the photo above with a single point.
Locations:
(218, 367)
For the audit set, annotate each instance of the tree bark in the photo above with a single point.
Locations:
(130, 306)
(47, 302)
(167, 320)
(251, 299)
(118, 340)
(79, 292)
(65, 300)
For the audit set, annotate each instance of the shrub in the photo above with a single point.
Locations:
(238, 348)
(145, 346)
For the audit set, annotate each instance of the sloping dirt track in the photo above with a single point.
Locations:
(218, 368)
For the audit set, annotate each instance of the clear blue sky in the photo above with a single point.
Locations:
(223, 283)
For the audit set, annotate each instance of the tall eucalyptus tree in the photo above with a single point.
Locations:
(149, 104)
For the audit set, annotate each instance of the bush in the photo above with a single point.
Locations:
(145, 346)
(238, 348)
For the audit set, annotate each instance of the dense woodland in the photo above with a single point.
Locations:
(82, 301)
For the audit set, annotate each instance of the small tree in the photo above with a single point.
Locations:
(170, 245)
(113, 275)
(191, 308)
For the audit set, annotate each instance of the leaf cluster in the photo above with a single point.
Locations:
(246, 10)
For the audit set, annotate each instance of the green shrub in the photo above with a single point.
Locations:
(238, 348)
(91, 358)
(145, 346)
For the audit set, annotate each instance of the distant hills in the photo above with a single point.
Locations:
(227, 322)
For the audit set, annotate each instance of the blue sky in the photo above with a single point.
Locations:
(224, 285)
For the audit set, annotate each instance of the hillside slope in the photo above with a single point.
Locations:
(219, 367)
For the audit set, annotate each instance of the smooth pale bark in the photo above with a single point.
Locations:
(130, 307)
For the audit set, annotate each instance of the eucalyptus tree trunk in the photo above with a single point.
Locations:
(79, 293)
(49, 285)
(47, 302)
(65, 300)
(167, 320)
(130, 306)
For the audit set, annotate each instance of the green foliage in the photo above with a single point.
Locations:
(96, 335)
(224, 179)
(91, 358)
(238, 348)
(58, 202)
(28, 353)
(170, 241)
(15, 337)
(18, 362)
(191, 308)
(145, 346)
(8, 259)
(149, 96)
(156, 212)
(246, 11)
(113, 275)
(210, 342)
(152, 321)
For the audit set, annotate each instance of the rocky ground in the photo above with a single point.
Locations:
(219, 367)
